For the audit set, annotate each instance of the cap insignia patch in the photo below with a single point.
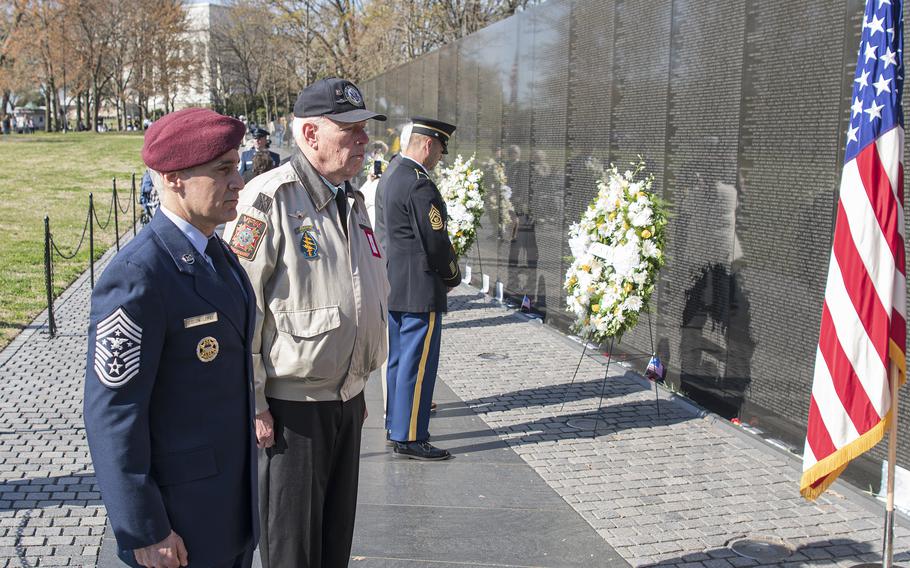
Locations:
(246, 237)
(118, 339)
(353, 95)
(436, 218)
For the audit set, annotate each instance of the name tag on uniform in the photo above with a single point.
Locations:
(371, 239)
(200, 320)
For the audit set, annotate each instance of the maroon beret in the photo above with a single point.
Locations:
(188, 138)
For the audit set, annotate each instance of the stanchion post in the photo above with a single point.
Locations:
(133, 200)
(91, 238)
(116, 206)
(888, 548)
(49, 285)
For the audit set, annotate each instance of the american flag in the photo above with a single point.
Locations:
(863, 328)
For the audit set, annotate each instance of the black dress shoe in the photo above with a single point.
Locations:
(420, 451)
(388, 439)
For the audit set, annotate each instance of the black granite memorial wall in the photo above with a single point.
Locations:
(739, 110)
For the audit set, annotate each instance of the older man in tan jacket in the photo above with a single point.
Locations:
(305, 240)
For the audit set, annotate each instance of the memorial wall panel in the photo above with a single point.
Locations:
(448, 81)
(789, 171)
(588, 107)
(494, 54)
(430, 104)
(518, 107)
(546, 238)
(465, 142)
(699, 295)
(638, 125)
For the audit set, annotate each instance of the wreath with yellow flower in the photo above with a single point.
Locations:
(617, 251)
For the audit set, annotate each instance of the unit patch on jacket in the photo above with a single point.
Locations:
(371, 240)
(247, 235)
(118, 339)
(263, 203)
(309, 246)
(436, 218)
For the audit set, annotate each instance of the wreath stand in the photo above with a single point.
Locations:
(584, 424)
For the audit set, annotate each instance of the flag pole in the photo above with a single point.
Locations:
(888, 546)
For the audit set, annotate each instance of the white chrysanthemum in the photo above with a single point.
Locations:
(649, 249)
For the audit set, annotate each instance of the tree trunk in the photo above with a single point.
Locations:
(78, 110)
(47, 109)
(96, 107)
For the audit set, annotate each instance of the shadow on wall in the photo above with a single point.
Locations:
(716, 345)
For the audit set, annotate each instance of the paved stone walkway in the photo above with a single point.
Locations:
(662, 491)
(50, 509)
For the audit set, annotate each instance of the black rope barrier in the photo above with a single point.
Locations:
(88, 220)
(110, 211)
(91, 219)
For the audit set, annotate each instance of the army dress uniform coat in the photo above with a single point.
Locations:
(422, 263)
(168, 399)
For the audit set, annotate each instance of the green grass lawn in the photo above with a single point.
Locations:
(53, 174)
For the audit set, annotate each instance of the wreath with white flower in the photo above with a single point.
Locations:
(617, 252)
(461, 186)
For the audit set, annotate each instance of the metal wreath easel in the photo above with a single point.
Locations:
(581, 423)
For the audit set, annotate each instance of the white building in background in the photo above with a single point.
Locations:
(207, 85)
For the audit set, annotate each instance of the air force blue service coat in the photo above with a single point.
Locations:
(168, 399)
(422, 263)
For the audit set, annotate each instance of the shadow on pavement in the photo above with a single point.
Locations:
(816, 552)
(78, 489)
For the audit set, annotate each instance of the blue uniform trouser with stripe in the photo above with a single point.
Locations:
(413, 360)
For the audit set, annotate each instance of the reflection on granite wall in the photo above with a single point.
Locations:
(741, 123)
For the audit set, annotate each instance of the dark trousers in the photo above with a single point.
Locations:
(414, 340)
(243, 560)
(308, 483)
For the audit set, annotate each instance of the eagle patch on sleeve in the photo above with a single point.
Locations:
(247, 235)
(436, 218)
(118, 342)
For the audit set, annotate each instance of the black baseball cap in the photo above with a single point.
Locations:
(259, 133)
(338, 99)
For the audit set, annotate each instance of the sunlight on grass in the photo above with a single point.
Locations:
(53, 174)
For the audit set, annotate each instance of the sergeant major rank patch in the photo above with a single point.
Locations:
(118, 340)
(247, 235)
(436, 218)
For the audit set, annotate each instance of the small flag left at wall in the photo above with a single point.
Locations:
(655, 370)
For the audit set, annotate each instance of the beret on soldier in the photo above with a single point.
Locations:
(188, 138)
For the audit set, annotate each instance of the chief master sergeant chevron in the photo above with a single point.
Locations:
(168, 385)
(422, 269)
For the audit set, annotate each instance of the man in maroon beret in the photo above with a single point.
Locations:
(168, 385)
